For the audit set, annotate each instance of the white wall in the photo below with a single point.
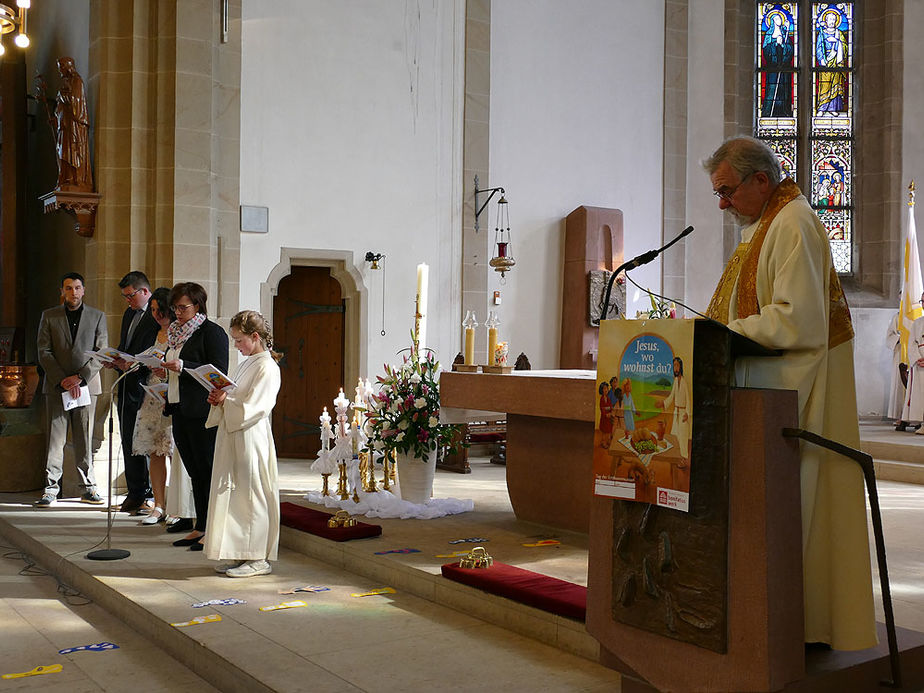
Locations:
(576, 119)
(705, 258)
(350, 137)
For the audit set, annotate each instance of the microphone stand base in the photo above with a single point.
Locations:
(108, 554)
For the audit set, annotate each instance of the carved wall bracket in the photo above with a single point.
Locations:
(80, 205)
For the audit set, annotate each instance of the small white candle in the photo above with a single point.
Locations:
(422, 274)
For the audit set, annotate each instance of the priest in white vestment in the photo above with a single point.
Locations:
(780, 289)
(896, 387)
(913, 411)
(243, 519)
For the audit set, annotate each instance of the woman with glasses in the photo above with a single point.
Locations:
(192, 341)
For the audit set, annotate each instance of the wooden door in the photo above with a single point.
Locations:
(308, 324)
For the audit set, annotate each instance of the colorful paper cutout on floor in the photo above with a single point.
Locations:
(50, 669)
(285, 605)
(211, 618)
(98, 647)
(470, 540)
(544, 542)
(218, 602)
(382, 553)
(454, 554)
(372, 593)
(306, 588)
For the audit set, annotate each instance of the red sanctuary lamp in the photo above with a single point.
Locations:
(503, 258)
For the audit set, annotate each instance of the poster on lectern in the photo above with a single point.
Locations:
(644, 419)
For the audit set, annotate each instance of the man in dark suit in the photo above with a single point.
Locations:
(138, 332)
(65, 334)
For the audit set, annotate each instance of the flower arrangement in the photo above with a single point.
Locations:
(659, 309)
(404, 414)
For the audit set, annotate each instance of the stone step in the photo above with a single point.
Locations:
(898, 470)
(907, 447)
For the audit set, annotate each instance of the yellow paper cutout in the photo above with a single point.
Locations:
(285, 605)
(211, 618)
(370, 593)
(50, 669)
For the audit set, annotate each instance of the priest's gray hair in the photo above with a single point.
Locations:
(746, 155)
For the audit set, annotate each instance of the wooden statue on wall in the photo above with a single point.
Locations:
(70, 124)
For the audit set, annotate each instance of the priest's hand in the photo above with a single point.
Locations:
(217, 397)
(176, 365)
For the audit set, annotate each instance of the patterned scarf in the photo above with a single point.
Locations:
(177, 334)
(741, 270)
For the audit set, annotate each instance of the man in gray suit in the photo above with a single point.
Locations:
(65, 333)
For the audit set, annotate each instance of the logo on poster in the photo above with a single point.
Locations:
(669, 498)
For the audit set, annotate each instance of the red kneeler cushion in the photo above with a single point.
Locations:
(315, 522)
(524, 586)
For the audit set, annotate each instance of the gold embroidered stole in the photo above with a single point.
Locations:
(741, 270)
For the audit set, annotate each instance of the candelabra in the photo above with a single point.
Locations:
(343, 447)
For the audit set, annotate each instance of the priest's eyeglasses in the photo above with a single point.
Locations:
(727, 193)
(129, 297)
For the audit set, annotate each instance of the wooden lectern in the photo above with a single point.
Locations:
(709, 600)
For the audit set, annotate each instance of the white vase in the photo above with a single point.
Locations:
(415, 478)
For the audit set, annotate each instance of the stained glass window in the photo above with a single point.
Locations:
(814, 142)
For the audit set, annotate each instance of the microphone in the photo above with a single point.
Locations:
(637, 261)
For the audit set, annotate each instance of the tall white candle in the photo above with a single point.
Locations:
(422, 274)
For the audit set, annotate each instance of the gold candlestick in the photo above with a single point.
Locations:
(342, 482)
(367, 472)
(325, 491)
(386, 483)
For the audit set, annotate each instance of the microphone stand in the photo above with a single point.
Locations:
(637, 261)
(109, 553)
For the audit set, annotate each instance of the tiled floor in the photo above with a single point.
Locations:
(399, 642)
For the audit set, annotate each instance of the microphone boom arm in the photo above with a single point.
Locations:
(637, 261)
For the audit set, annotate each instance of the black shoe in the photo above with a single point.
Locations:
(130, 505)
(188, 542)
(198, 546)
(184, 524)
(91, 497)
(900, 426)
(44, 502)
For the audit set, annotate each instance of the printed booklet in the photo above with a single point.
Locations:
(211, 378)
(158, 391)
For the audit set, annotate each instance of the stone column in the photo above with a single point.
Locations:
(167, 147)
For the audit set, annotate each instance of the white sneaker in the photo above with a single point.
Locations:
(225, 567)
(250, 569)
(153, 517)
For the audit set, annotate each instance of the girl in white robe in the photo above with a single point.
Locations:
(243, 519)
